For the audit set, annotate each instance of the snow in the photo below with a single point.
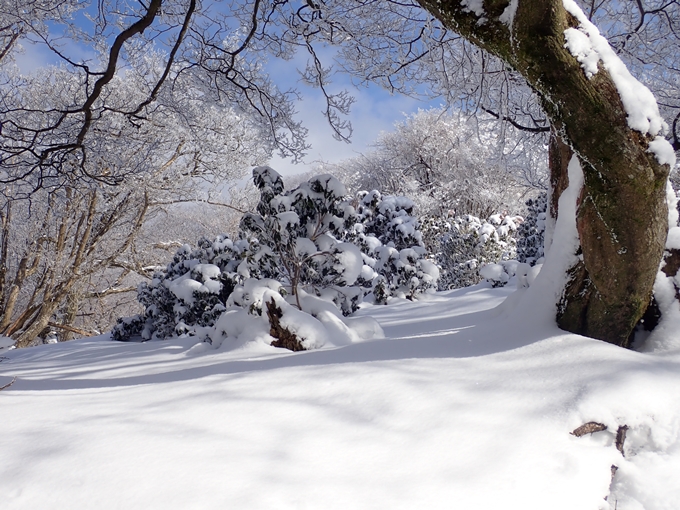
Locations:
(350, 262)
(672, 203)
(287, 218)
(487, 230)
(184, 288)
(430, 269)
(251, 293)
(331, 185)
(453, 405)
(578, 44)
(461, 399)
(6, 342)
(492, 271)
(304, 246)
(467, 396)
(663, 150)
(309, 329)
(673, 240)
(475, 6)
(590, 47)
(541, 286)
(665, 335)
(508, 15)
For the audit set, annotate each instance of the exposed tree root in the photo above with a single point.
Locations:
(285, 338)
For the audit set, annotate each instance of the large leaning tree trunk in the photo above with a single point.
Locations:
(622, 218)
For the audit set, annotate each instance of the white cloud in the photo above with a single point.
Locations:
(35, 55)
(374, 111)
(31, 57)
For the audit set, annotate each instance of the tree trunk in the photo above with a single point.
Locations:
(37, 324)
(622, 218)
(73, 302)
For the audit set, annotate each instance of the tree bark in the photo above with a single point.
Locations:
(622, 217)
(73, 303)
(559, 154)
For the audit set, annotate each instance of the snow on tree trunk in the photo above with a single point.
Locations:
(612, 123)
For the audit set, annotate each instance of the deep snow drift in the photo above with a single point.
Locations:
(463, 405)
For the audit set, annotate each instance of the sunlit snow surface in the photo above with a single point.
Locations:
(459, 407)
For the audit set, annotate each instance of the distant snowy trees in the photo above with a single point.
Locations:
(531, 233)
(130, 73)
(446, 166)
(464, 189)
(312, 247)
(69, 258)
(218, 50)
(311, 255)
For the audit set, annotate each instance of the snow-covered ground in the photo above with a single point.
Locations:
(459, 406)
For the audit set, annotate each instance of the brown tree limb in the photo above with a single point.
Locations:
(284, 337)
(513, 122)
(621, 438)
(171, 58)
(71, 329)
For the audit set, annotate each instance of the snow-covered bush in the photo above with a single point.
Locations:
(307, 247)
(389, 219)
(337, 248)
(392, 245)
(191, 291)
(301, 237)
(531, 233)
(470, 243)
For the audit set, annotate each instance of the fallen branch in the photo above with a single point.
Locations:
(8, 384)
(69, 328)
(588, 428)
(621, 438)
(593, 426)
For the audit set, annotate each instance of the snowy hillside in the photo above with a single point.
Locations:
(459, 406)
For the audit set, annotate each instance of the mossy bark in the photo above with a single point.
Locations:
(622, 216)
